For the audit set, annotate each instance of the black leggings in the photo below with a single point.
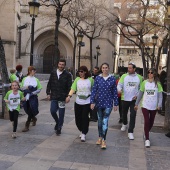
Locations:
(13, 115)
(82, 117)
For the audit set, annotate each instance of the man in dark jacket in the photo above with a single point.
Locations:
(57, 91)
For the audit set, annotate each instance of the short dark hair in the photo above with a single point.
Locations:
(62, 60)
(85, 69)
(133, 65)
(96, 67)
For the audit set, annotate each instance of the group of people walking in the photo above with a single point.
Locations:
(96, 96)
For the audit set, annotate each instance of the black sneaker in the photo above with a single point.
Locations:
(168, 134)
(56, 126)
(58, 132)
(120, 121)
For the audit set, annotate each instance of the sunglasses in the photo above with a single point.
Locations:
(81, 71)
(150, 72)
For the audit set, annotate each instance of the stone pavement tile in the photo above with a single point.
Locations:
(117, 168)
(99, 167)
(158, 159)
(63, 164)
(10, 158)
(17, 147)
(45, 153)
(159, 139)
(5, 164)
(80, 166)
(58, 142)
(31, 164)
(92, 154)
(57, 168)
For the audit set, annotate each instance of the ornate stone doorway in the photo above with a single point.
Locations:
(48, 58)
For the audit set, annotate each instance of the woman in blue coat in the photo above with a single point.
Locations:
(104, 92)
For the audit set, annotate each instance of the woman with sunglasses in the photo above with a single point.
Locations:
(31, 87)
(104, 92)
(151, 95)
(82, 85)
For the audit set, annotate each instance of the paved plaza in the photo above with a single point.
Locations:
(41, 149)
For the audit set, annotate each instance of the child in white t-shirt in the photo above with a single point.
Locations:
(13, 98)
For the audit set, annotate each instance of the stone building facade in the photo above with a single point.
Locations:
(16, 28)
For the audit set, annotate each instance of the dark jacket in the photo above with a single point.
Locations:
(58, 89)
(31, 106)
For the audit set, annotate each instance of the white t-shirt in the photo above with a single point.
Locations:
(150, 96)
(58, 73)
(83, 88)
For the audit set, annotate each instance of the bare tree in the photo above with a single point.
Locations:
(58, 5)
(73, 18)
(137, 20)
(93, 22)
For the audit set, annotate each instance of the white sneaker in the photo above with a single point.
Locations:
(147, 144)
(124, 127)
(130, 136)
(14, 135)
(80, 135)
(83, 137)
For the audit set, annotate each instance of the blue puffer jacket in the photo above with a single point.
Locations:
(32, 102)
(104, 92)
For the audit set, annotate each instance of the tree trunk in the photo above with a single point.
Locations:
(57, 23)
(91, 55)
(167, 104)
(74, 55)
(4, 76)
(144, 63)
(158, 59)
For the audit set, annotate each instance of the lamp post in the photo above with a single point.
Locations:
(98, 53)
(154, 42)
(80, 39)
(33, 10)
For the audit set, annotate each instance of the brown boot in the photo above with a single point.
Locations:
(26, 129)
(34, 120)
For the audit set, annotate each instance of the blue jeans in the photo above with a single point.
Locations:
(103, 118)
(56, 107)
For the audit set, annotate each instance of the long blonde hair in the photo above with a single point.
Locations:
(155, 76)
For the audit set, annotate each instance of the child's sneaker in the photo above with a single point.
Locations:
(14, 135)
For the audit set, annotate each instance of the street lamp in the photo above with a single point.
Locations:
(80, 39)
(98, 53)
(154, 42)
(33, 10)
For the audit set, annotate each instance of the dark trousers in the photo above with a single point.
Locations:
(93, 114)
(149, 117)
(125, 107)
(30, 114)
(13, 115)
(81, 117)
(58, 119)
(120, 107)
